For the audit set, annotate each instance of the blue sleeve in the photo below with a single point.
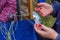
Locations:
(58, 37)
(58, 26)
(56, 8)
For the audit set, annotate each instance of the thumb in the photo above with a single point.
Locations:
(38, 30)
(41, 4)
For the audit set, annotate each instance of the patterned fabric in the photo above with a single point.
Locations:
(18, 30)
(7, 7)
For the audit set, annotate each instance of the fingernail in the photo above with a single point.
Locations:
(40, 8)
(40, 25)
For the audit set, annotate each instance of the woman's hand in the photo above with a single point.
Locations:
(44, 9)
(45, 31)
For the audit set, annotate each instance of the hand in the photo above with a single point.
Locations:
(44, 9)
(45, 32)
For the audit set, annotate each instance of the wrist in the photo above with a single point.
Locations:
(55, 36)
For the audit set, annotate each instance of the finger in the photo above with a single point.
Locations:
(42, 12)
(36, 25)
(37, 9)
(41, 32)
(45, 28)
(41, 4)
(40, 25)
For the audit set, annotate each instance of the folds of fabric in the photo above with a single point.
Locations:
(20, 30)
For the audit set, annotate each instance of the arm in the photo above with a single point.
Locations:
(10, 8)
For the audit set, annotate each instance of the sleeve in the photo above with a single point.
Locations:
(10, 8)
(58, 37)
(56, 8)
(58, 26)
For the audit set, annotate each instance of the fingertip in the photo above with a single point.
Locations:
(35, 9)
(38, 9)
(35, 25)
(38, 4)
(40, 25)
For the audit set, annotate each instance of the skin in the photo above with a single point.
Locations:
(45, 9)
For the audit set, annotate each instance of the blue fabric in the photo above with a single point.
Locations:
(25, 30)
(38, 1)
(56, 8)
(58, 37)
(56, 13)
